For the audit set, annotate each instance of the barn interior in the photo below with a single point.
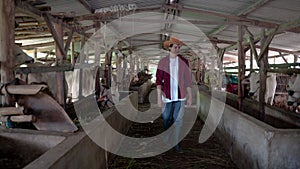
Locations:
(79, 61)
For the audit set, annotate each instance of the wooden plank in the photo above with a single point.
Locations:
(285, 71)
(4, 111)
(68, 42)
(23, 118)
(22, 89)
(284, 65)
(267, 42)
(18, 119)
(56, 37)
(44, 69)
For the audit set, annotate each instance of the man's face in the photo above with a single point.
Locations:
(175, 48)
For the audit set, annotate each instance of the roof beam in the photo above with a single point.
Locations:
(24, 37)
(253, 22)
(55, 35)
(244, 12)
(256, 46)
(86, 5)
(41, 45)
(277, 30)
(25, 6)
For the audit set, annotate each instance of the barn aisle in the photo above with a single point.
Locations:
(209, 155)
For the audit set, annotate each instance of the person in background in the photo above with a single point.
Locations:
(174, 82)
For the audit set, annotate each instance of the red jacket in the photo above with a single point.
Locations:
(184, 76)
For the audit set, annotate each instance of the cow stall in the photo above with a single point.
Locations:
(253, 143)
(142, 85)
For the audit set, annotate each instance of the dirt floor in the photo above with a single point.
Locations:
(209, 155)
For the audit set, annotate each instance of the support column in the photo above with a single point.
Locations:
(73, 52)
(221, 53)
(60, 95)
(107, 74)
(97, 58)
(263, 66)
(35, 54)
(241, 65)
(137, 63)
(7, 38)
(203, 70)
(81, 61)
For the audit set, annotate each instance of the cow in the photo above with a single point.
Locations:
(293, 89)
(271, 84)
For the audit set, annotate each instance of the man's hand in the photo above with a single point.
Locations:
(159, 99)
(189, 101)
(189, 98)
(159, 102)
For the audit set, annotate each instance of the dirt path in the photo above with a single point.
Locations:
(209, 155)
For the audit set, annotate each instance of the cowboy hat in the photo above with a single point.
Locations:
(172, 40)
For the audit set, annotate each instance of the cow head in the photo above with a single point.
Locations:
(254, 83)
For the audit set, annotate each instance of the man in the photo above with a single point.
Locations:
(173, 79)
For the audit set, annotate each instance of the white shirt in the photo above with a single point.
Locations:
(173, 81)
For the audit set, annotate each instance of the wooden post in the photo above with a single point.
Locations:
(60, 95)
(108, 58)
(97, 58)
(72, 52)
(35, 54)
(81, 60)
(251, 60)
(295, 59)
(263, 66)
(97, 44)
(241, 67)
(137, 63)
(7, 38)
(221, 53)
(203, 70)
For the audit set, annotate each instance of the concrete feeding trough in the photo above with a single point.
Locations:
(78, 150)
(19, 147)
(253, 144)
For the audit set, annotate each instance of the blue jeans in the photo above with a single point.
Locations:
(178, 112)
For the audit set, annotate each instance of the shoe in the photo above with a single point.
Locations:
(178, 149)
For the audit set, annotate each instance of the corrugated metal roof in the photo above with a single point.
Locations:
(273, 11)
